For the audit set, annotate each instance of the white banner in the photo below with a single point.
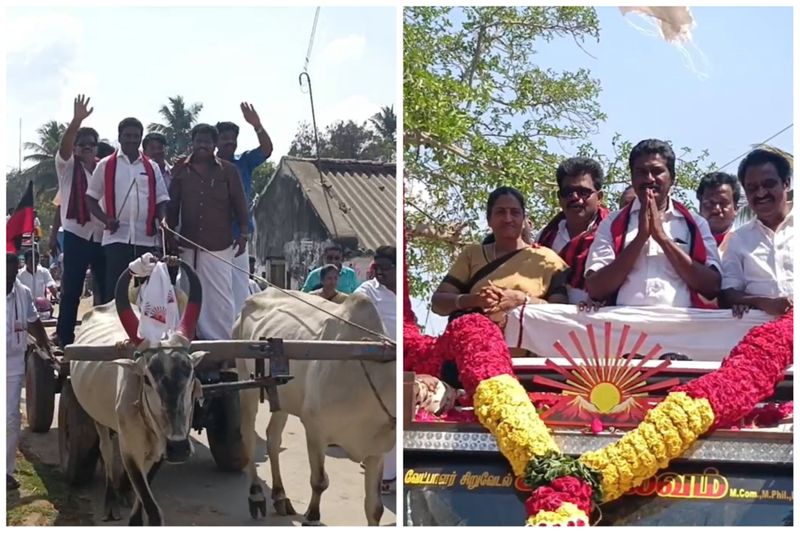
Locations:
(556, 330)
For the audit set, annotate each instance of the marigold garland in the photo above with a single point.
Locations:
(567, 514)
(745, 378)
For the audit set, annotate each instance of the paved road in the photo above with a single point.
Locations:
(196, 493)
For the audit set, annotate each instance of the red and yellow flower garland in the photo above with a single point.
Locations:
(747, 376)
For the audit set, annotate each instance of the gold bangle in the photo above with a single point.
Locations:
(458, 301)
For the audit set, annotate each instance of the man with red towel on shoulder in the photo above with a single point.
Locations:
(571, 232)
(83, 233)
(719, 194)
(653, 251)
(128, 195)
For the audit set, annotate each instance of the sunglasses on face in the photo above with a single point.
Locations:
(769, 183)
(333, 258)
(582, 192)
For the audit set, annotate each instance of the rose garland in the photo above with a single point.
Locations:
(564, 488)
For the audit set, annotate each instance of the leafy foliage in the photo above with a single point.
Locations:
(480, 113)
(543, 469)
(349, 140)
(178, 122)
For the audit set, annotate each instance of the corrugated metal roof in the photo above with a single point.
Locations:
(353, 198)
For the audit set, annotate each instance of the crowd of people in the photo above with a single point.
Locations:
(652, 251)
(118, 205)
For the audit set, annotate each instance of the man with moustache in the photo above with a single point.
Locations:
(21, 319)
(134, 202)
(571, 232)
(653, 251)
(154, 146)
(83, 232)
(382, 292)
(206, 194)
(758, 265)
(246, 163)
(718, 194)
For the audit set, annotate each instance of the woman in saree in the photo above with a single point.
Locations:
(329, 277)
(494, 278)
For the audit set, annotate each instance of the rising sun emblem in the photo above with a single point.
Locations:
(603, 380)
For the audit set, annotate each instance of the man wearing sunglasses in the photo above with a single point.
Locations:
(653, 251)
(571, 232)
(333, 255)
(758, 266)
(83, 232)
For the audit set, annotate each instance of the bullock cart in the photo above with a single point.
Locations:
(217, 412)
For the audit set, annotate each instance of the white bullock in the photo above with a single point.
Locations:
(147, 401)
(333, 399)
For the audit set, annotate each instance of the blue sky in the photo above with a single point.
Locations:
(217, 56)
(649, 91)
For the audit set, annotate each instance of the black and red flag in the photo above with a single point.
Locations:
(21, 221)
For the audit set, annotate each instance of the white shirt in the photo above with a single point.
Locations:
(385, 302)
(19, 313)
(92, 230)
(253, 287)
(653, 280)
(131, 213)
(759, 261)
(561, 240)
(43, 279)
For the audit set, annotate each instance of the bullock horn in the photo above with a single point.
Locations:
(192, 312)
(124, 310)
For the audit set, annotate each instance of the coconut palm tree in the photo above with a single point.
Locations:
(43, 156)
(177, 127)
(385, 123)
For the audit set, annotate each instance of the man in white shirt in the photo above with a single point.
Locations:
(134, 201)
(571, 232)
(758, 266)
(382, 292)
(653, 251)
(75, 162)
(44, 281)
(719, 194)
(21, 318)
(154, 145)
(252, 284)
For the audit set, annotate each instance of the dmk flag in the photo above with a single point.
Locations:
(21, 221)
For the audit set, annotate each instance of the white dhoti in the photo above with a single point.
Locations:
(239, 279)
(216, 313)
(13, 420)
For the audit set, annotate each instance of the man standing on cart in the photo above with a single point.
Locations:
(206, 193)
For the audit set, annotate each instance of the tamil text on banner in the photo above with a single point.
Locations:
(562, 331)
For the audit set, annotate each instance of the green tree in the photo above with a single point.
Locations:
(178, 122)
(43, 157)
(480, 113)
(345, 139)
(261, 176)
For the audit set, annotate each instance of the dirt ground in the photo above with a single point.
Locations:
(197, 493)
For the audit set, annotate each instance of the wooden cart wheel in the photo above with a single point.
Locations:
(40, 392)
(78, 443)
(224, 429)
